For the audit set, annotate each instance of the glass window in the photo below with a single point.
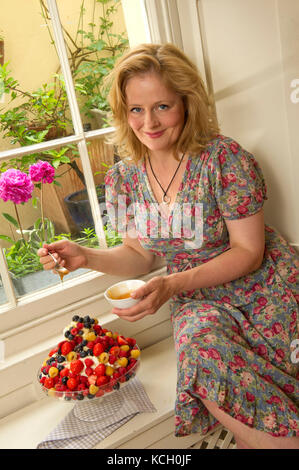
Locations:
(35, 110)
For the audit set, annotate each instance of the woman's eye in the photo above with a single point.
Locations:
(136, 110)
(163, 107)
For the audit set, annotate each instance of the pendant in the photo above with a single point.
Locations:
(166, 199)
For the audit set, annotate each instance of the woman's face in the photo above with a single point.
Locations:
(156, 113)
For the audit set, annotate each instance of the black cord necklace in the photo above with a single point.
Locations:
(165, 198)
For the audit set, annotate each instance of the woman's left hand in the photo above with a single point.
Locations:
(155, 293)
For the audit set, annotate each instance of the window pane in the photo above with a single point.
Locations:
(34, 106)
(95, 34)
(3, 298)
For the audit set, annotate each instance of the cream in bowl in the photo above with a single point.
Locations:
(119, 295)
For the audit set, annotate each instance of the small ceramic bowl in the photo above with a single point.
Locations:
(121, 289)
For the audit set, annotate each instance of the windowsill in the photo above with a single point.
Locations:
(45, 414)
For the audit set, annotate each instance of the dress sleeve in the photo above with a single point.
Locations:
(237, 180)
(118, 199)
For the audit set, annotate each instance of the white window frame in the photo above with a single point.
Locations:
(165, 21)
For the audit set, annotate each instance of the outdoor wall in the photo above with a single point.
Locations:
(253, 52)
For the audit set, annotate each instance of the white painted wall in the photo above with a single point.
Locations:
(253, 49)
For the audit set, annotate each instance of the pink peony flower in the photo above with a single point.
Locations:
(42, 172)
(15, 186)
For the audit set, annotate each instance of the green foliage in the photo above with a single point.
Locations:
(44, 114)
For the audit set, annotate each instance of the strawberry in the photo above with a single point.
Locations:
(53, 351)
(92, 379)
(121, 340)
(115, 350)
(131, 341)
(72, 384)
(98, 349)
(66, 347)
(76, 366)
(103, 380)
(49, 382)
(100, 370)
(64, 372)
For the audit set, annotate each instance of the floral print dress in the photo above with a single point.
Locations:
(234, 342)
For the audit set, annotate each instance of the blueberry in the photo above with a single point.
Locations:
(60, 359)
(80, 396)
(67, 397)
(81, 319)
(90, 352)
(67, 333)
(64, 380)
(75, 318)
(90, 395)
(80, 332)
(84, 342)
(60, 367)
(70, 336)
(116, 386)
(83, 353)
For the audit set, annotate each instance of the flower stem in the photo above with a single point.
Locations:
(19, 222)
(42, 210)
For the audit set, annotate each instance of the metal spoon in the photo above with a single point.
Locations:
(57, 266)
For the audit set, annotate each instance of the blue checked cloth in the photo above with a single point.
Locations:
(90, 421)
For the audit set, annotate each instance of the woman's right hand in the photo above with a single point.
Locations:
(68, 254)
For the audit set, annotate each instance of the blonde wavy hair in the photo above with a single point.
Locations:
(179, 74)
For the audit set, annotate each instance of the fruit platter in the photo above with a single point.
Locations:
(91, 362)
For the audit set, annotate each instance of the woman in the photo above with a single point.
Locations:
(195, 197)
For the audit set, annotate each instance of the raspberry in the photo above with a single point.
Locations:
(123, 353)
(98, 349)
(112, 359)
(74, 331)
(100, 370)
(79, 325)
(88, 371)
(88, 362)
(76, 366)
(90, 344)
(72, 384)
